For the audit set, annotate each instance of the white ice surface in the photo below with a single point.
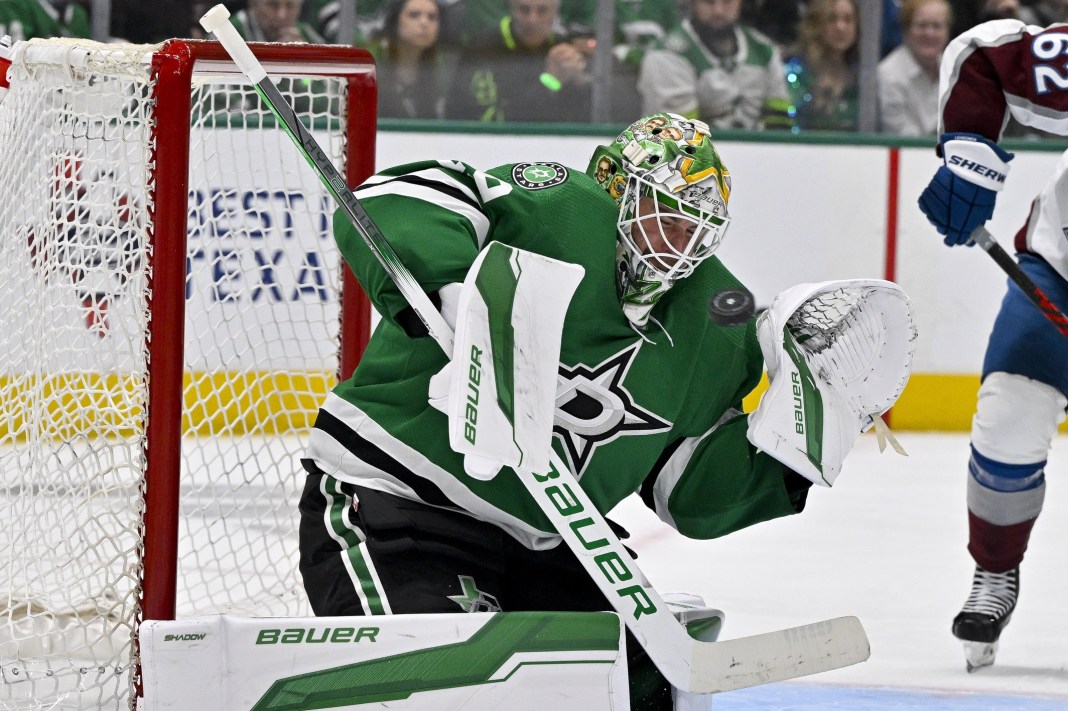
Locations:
(886, 544)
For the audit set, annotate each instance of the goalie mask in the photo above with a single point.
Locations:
(672, 190)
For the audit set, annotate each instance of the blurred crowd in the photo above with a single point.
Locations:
(736, 64)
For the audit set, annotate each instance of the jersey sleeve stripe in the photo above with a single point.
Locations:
(1040, 117)
(433, 194)
(675, 467)
(669, 477)
(449, 187)
(437, 177)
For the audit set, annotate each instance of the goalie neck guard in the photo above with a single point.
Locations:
(672, 191)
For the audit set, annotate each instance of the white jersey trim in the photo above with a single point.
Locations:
(676, 466)
(389, 185)
(1040, 117)
(1045, 231)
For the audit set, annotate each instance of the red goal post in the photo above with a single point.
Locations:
(173, 150)
(174, 309)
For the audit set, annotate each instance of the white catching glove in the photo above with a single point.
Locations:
(839, 355)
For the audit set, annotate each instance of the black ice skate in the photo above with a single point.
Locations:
(988, 609)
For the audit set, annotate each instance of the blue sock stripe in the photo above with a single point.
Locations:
(1006, 477)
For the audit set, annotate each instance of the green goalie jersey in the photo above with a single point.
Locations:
(658, 413)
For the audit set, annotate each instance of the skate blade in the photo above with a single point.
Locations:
(979, 654)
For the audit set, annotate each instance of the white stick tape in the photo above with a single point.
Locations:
(217, 21)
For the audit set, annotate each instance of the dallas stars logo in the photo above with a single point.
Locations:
(593, 408)
(471, 599)
(538, 176)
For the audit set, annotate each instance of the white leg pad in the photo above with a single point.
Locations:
(257, 662)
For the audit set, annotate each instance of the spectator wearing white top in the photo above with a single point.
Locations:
(717, 69)
(908, 76)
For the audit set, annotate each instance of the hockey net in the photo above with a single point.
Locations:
(173, 312)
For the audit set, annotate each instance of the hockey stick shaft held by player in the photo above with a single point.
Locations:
(688, 664)
(217, 21)
(982, 237)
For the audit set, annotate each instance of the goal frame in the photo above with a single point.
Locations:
(174, 64)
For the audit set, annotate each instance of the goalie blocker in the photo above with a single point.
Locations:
(499, 389)
(838, 355)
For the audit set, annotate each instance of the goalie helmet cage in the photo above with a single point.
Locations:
(175, 309)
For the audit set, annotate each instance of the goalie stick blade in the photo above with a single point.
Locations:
(777, 656)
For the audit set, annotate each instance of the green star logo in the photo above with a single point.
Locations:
(471, 599)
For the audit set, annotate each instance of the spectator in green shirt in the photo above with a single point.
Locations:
(325, 17)
(823, 72)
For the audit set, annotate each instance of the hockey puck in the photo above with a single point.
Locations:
(731, 307)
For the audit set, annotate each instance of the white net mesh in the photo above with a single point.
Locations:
(261, 345)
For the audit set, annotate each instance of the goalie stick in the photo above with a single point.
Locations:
(982, 237)
(690, 665)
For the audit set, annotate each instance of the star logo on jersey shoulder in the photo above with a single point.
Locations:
(538, 176)
(593, 408)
